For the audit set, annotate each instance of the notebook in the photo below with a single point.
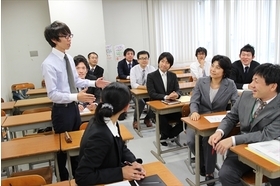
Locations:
(170, 102)
(153, 180)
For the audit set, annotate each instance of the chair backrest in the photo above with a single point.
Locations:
(2, 100)
(22, 86)
(84, 126)
(3, 113)
(186, 110)
(35, 110)
(30, 180)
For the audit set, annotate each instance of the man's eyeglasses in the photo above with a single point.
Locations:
(143, 58)
(67, 36)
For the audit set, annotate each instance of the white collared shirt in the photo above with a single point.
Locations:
(136, 75)
(112, 126)
(197, 71)
(164, 79)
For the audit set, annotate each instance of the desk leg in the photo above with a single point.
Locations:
(56, 167)
(258, 176)
(157, 144)
(197, 160)
(138, 131)
(69, 167)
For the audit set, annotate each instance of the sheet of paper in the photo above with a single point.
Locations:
(185, 99)
(214, 119)
(122, 183)
(86, 110)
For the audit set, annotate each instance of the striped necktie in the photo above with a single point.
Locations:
(143, 77)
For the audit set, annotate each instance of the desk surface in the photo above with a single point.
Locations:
(256, 159)
(30, 146)
(35, 101)
(27, 119)
(77, 136)
(151, 169)
(136, 91)
(203, 124)
(7, 105)
(3, 118)
(123, 80)
(184, 75)
(36, 91)
(187, 85)
(158, 105)
(179, 68)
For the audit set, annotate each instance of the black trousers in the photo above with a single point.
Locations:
(66, 117)
(166, 130)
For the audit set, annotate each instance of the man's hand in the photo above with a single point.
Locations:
(81, 107)
(85, 97)
(215, 138)
(201, 62)
(91, 106)
(223, 146)
(173, 95)
(100, 83)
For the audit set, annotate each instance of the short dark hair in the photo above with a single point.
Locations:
(115, 97)
(54, 30)
(201, 49)
(168, 56)
(127, 50)
(224, 63)
(92, 53)
(81, 59)
(270, 73)
(143, 52)
(248, 48)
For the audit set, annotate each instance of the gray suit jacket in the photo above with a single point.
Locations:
(200, 99)
(263, 128)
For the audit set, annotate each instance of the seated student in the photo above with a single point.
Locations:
(257, 111)
(138, 79)
(242, 70)
(103, 154)
(125, 65)
(200, 68)
(96, 70)
(163, 84)
(211, 94)
(82, 68)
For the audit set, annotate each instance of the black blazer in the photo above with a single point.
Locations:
(155, 85)
(101, 156)
(93, 90)
(123, 70)
(238, 76)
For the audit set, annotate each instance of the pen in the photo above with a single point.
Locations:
(130, 164)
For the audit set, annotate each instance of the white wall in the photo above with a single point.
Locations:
(22, 27)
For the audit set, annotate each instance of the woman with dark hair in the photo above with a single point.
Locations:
(104, 158)
(211, 94)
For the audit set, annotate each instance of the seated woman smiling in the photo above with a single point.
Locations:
(103, 155)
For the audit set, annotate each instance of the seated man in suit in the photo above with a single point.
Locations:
(125, 65)
(242, 70)
(163, 84)
(256, 111)
(138, 79)
(200, 68)
(82, 68)
(96, 70)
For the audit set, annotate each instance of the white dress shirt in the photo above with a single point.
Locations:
(136, 75)
(197, 71)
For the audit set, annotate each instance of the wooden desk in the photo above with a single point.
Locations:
(183, 68)
(184, 76)
(202, 127)
(151, 168)
(3, 118)
(260, 164)
(28, 150)
(25, 104)
(187, 87)
(160, 109)
(139, 94)
(37, 93)
(73, 148)
(8, 107)
(125, 81)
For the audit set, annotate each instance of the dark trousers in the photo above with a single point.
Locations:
(141, 106)
(66, 117)
(167, 130)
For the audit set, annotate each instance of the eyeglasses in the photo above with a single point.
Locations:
(67, 36)
(143, 58)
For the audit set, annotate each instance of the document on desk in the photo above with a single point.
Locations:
(215, 119)
(121, 183)
(269, 150)
(86, 110)
(185, 99)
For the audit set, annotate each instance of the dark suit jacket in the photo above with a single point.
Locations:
(263, 128)
(155, 85)
(98, 72)
(101, 156)
(93, 90)
(123, 70)
(200, 99)
(238, 76)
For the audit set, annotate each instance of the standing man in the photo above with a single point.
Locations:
(163, 84)
(125, 65)
(62, 81)
(242, 70)
(138, 79)
(95, 69)
(200, 68)
(257, 111)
